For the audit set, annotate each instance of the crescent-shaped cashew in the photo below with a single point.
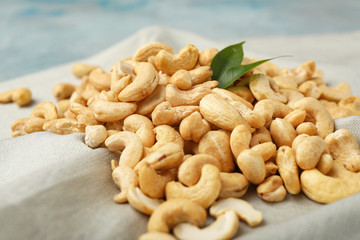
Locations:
(24, 126)
(261, 135)
(130, 145)
(142, 126)
(323, 120)
(177, 97)
(335, 94)
(143, 85)
(344, 147)
(175, 211)
(272, 189)
(124, 178)
(217, 144)
(147, 105)
(186, 59)
(337, 184)
(193, 127)
(240, 139)
(266, 150)
(225, 227)
(219, 112)
(264, 87)
(46, 110)
(63, 126)
(292, 96)
(270, 108)
(152, 183)
(233, 185)
(105, 111)
(150, 50)
(244, 210)
(100, 79)
(204, 193)
(190, 170)
(200, 74)
(141, 202)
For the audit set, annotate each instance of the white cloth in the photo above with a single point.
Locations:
(55, 187)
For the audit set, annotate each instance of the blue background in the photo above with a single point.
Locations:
(38, 34)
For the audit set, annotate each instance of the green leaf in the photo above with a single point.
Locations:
(226, 65)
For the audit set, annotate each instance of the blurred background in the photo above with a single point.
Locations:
(38, 34)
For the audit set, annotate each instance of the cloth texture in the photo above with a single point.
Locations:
(55, 187)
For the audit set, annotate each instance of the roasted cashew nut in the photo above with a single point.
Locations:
(25, 126)
(204, 192)
(150, 50)
(272, 189)
(81, 70)
(63, 126)
(21, 96)
(335, 94)
(244, 210)
(181, 79)
(130, 145)
(200, 74)
(100, 79)
(353, 103)
(225, 227)
(282, 132)
(178, 97)
(233, 185)
(95, 135)
(141, 202)
(46, 110)
(147, 105)
(252, 166)
(263, 87)
(194, 127)
(240, 139)
(175, 211)
(270, 108)
(143, 85)
(206, 56)
(63, 90)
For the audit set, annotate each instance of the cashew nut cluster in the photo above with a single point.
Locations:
(187, 147)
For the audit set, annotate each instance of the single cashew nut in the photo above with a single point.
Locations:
(252, 165)
(63, 90)
(296, 117)
(310, 89)
(200, 74)
(243, 92)
(308, 128)
(147, 105)
(63, 126)
(269, 108)
(81, 70)
(142, 126)
(178, 97)
(240, 139)
(343, 90)
(124, 178)
(272, 189)
(323, 120)
(282, 132)
(164, 113)
(266, 150)
(130, 145)
(244, 210)
(325, 163)
(190, 170)
(100, 79)
(353, 103)
(193, 127)
(181, 79)
(225, 227)
(335, 110)
(308, 150)
(344, 148)
(292, 96)
(25, 126)
(143, 85)
(175, 211)
(304, 71)
(285, 82)
(63, 105)
(21, 96)
(288, 170)
(186, 59)
(261, 135)
(206, 56)
(149, 50)
(95, 135)
(337, 184)
(264, 87)
(219, 112)
(204, 192)
(217, 144)
(233, 185)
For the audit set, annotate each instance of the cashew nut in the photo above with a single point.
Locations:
(46, 110)
(288, 169)
(142, 126)
(304, 71)
(261, 135)
(343, 90)
(308, 128)
(270, 108)
(353, 103)
(335, 110)
(200, 74)
(292, 96)
(164, 113)
(225, 227)
(252, 165)
(310, 89)
(147, 105)
(218, 111)
(337, 184)
(193, 127)
(264, 87)
(204, 192)
(243, 92)
(100, 79)
(233, 185)
(63, 126)
(150, 50)
(240, 139)
(81, 70)
(230, 97)
(178, 97)
(130, 145)
(141, 202)
(190, 170)
(95, 135)
(323, 120)
(181, 79)
(285, 82)
(217, 144)
(344, 148)
(25, 126)
(63, 90)
(206, 56)
(186, 59)
(175, 211)
(272, 189)
(282, 132)
(271, 168)
(296, 117)
(124, 178)
(21, 96)
(143, 85)
(244, 210)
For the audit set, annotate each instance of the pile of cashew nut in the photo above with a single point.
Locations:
(186, 147)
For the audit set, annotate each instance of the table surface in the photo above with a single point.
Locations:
(38, 34)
